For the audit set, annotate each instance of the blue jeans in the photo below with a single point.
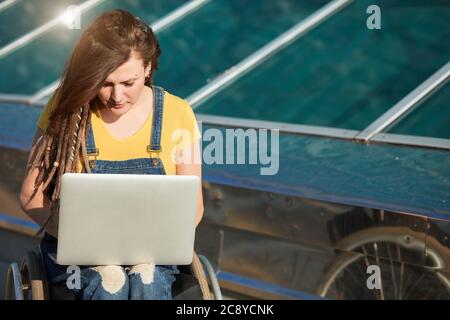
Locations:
(140, 282)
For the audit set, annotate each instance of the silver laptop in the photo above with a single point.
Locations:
(124, 219)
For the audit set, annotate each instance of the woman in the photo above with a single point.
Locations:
(106, 117)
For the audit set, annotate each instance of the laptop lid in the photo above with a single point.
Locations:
(125, 219)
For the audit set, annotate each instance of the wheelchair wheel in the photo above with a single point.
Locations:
(33, 277)
(398, 251)
(13, 285)
(192, 282)
(27, 281)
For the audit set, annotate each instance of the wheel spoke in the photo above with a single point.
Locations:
(406, 280)
(365, 256)
(415, 285)
(377, 259)
(405, 284)
(402, 269)
(394, 280)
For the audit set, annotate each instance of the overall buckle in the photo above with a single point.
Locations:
(157, 151)
(95, 155)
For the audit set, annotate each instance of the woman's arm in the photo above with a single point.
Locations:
(33, 201)
(188, 162)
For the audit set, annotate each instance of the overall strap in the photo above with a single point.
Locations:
(155, 137)
(90, 146)
(91, 149)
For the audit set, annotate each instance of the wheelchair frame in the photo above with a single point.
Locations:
(29, 282)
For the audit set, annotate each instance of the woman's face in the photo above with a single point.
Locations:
(124, 86)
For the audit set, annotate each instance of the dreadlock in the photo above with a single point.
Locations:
(60, 153)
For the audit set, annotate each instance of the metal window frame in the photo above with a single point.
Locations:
(282, 127)
(317, 17)
(409, 140)
(285, 39)
(39, 97)
(177, 14)
(17, 98)
(407, 104)
(326, 132)
(39, 31)
(7, 3)
(425, 90)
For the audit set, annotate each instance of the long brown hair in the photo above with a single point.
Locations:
(106, 44)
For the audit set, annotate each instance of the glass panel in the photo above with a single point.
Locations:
(41, 62)
(399, 178)
(342, 74)
(26, 15)
(202, 45)
(430, 119)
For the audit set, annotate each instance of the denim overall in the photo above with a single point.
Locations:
(133, 285)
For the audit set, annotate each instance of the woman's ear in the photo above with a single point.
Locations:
(148, 69)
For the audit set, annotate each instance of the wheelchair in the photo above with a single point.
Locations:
(28, 281)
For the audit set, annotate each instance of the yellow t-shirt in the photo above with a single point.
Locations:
(179, 129)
